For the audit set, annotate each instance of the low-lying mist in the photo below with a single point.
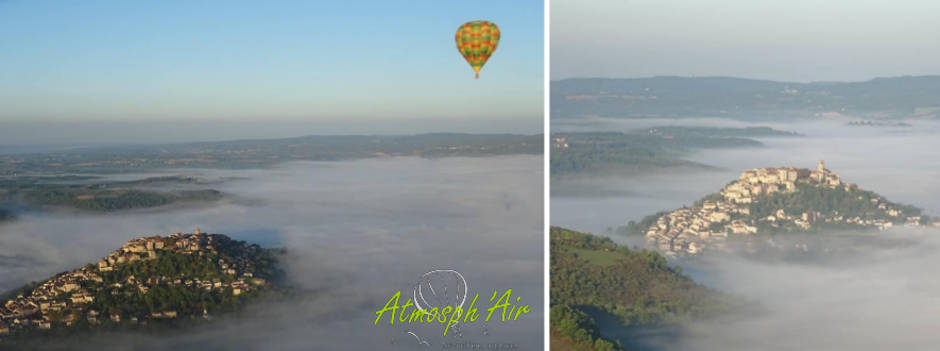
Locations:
(850, 291)
(883, 296)
(356, 232)
(900, 163)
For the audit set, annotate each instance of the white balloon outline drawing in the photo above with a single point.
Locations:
(420, 341)
(419, 290)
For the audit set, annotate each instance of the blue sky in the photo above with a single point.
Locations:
(329, 61)
(793, 40)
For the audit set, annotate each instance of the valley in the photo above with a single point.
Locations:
(787, 237)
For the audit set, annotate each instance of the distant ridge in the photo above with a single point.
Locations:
(253, 153)
(749, 99)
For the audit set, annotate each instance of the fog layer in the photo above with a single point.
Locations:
(356, 232)
(900, 163)
(875, 291)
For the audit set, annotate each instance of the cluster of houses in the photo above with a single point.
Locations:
(560, 142)
(690, 230)
(766, 181)
(63, 292)
(65, 297)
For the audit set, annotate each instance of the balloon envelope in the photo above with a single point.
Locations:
(476, 41)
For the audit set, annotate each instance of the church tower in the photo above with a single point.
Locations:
(821, 167)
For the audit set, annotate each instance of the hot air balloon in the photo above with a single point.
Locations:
(476, 41)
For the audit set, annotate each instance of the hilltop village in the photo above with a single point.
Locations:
(75, 297)
(731, 212)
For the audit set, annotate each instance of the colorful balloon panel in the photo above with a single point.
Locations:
(476, 41)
